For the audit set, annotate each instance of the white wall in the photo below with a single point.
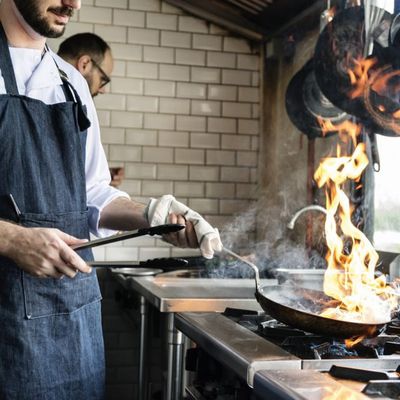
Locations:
(182, 112)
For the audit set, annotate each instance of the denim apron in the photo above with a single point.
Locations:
(51, 344)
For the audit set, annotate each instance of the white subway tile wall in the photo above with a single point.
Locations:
(181, 114)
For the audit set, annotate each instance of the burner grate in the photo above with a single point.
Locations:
(391, 347)
(388, 388)
(358, 374)
(274, 329)
(309, 346)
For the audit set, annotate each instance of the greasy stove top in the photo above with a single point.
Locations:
(307, 345)
(290, 364)
(251, 342)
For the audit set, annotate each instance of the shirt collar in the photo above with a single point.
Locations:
(45, 75)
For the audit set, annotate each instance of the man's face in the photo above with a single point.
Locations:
(98, 75)
(47, 17)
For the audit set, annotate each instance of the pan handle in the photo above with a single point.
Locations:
(249, 263)
(376, 164)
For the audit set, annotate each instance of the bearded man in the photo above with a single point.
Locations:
(54, 191)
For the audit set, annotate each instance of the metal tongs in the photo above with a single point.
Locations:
(165, 263)
(154, 230)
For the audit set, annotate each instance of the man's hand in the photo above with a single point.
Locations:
(167, 208)
(117, 176)
(185, 237)
(46, 252)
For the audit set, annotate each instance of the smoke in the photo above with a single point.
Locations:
(260, 234)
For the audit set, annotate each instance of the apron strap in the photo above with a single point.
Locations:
(6, 66)
(69, 96)
(83, 120)
(72, 95)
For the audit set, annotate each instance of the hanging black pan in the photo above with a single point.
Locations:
(383, 105)
(306, 105)
(299, 308)
(339, 45)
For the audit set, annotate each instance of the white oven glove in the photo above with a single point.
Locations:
(208, 237)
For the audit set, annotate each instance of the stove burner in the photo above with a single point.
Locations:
(317, 347)
(323, 351)
(306, 345)
(250, 319)
(273, 328)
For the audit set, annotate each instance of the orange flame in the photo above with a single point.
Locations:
(353, 341)
(345, 129)
(359, 76)
(367, 78)
(341, 393)
(350, 276)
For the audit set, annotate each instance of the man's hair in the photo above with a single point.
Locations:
(81, 44)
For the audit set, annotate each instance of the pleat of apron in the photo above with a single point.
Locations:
(51, 344)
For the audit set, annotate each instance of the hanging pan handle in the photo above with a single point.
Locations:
(376, 164)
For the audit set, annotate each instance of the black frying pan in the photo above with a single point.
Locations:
(341, 43)
(290, 305)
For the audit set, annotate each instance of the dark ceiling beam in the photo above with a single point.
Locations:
(308, 17)
(222, 16)
(248, 5)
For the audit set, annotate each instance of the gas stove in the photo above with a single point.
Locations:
(269, 358)
(308, 346)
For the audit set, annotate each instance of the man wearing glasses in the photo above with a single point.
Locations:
(91, 56)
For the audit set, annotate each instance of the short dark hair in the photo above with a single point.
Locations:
(83, 43)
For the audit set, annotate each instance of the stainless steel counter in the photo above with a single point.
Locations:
(234, 346)
(304, 385)
(199, 295)
(170, 295)
(283, 376)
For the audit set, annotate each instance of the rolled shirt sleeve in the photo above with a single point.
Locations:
(98, 190)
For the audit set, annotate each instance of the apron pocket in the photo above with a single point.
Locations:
(48, 297)
(45, 297)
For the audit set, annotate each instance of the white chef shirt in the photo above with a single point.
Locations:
(37, 77)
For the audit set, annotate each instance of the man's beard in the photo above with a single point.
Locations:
(31, 14)
(89, 79)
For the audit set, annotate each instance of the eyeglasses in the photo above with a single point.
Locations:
(105, 79)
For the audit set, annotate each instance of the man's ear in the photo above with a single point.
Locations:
(84, 64)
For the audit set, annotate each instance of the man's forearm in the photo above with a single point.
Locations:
(123, 214)
(8, 233)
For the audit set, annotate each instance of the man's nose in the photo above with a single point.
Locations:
(75, 4)
(101, 90)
